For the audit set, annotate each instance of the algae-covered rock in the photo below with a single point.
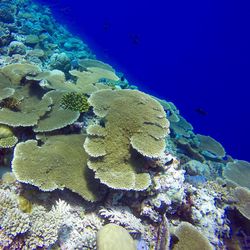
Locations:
(135, 127)
(60, 162)
(114, 237)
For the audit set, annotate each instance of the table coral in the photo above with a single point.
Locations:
(238, 172)
(49, 167)
(135, 127)
(56, 117)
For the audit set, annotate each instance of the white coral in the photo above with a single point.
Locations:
(124, 217)
(208, 217)
(12, 220)
(79, 231)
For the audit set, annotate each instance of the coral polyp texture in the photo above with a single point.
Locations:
(135, 128)
(75, 101)
(60, 162)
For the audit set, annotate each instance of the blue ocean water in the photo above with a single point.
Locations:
(193, 53)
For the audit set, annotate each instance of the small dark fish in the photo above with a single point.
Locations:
(201, 111)
(106, 26)
(65, 10)
(135, 39)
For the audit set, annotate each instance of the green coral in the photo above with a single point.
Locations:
(59, 163)
(75, 101)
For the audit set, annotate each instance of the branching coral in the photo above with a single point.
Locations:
(135, 126)
(75, 101)
(12, 220)
(124, 217)
(49, 167)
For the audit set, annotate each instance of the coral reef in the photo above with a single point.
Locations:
(87, 161)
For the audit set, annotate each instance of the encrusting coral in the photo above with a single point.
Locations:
(49, 167)
(135, 127)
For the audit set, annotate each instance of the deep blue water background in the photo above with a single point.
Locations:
(194, 53)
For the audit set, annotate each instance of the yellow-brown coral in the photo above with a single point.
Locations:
(135, 126)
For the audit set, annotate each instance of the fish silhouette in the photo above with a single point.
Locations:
(201, 111)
